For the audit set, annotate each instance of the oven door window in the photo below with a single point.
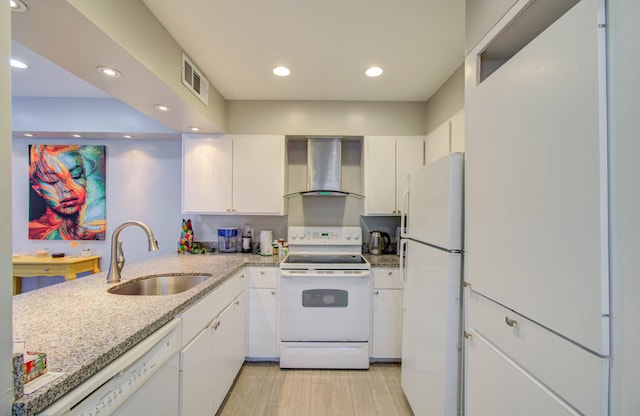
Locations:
(325, 298)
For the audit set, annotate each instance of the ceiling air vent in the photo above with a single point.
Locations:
(194, 81)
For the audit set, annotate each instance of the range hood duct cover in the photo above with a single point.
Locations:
(324, 160)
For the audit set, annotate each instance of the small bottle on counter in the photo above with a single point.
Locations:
(281, 248)
(275, 250)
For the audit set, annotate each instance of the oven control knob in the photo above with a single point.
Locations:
(356, 236)
(347, 236)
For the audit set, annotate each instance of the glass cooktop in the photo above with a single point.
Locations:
(325, 259)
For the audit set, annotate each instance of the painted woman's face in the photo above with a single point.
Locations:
(60, 179)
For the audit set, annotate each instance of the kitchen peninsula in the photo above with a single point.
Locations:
(82, 328)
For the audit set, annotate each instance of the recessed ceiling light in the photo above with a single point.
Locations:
(108, 71)
(128, 136)
(374, 71)
(77, 136)
(29, 135)
(194, 128)
(281, 71)
(17, 6)
(161, 107)
(18, 64)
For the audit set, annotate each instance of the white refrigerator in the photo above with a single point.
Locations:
(432, 276)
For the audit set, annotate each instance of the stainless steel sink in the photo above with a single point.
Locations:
(160, 284)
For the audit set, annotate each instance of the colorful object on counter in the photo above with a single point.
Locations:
(35, 365)
(186, 237)
(198, 248)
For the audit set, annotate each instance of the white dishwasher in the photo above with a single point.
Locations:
(144, 380)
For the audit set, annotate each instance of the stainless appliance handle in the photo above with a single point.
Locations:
(403, 270)
(403, 213)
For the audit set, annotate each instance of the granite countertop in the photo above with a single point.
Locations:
(82, 328)
(384, 260)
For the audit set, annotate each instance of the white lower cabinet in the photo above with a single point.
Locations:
(386, 341)
(224, 363)
(196, 375)
(262, 331)
(516, 367)
(213, 348)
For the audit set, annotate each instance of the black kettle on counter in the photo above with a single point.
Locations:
(378, 242)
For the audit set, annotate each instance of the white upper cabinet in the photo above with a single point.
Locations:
(388, 160)
(258, 174)
(233, 175)
(449, 137)
(457, 132)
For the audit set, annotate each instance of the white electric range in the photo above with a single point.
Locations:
(325, 299)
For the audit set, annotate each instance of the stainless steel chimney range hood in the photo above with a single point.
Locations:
(324, 168)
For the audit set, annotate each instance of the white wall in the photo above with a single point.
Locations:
(143, 183)
(6, 283)
(345, 118)
(624, 141)
(447, 101)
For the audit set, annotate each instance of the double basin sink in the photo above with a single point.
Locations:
(159, 284)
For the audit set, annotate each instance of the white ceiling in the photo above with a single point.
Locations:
(327, 44)
(46, 79)
(235, 44)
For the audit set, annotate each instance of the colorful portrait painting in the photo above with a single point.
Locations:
(67, 197)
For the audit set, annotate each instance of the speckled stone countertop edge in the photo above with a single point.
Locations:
(223, 265)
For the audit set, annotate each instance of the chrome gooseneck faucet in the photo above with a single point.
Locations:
(117, 255)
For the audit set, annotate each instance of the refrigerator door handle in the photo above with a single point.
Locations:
(403, 270)
(404, 212)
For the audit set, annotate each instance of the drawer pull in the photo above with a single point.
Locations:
(467, 335)
(466, 284)
(389, 273)
(46, 269)
(273, 292)
(511, 322)
(376, 292)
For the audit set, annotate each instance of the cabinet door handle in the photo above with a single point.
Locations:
(262, 272)
(237, 302)
(466, 284)
(468, 335)
(376, 292)
(389, 274)
(273, 292)
(216, 324)
(511, 322)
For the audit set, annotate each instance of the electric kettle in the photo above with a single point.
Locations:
(378, 242)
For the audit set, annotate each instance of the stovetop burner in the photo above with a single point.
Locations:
(326, 258)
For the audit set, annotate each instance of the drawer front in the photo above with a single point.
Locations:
(387, 278)
(199, 315)
(497, 387)
(576, 375)
(263, 277)
(41, 270)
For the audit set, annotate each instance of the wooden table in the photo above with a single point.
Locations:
(69, 267)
